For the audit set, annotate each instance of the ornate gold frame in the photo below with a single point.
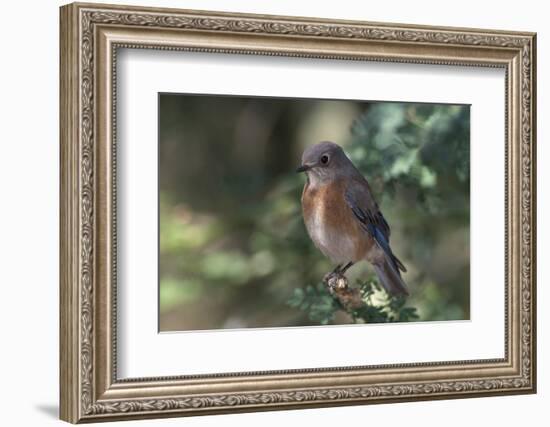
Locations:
(90, 36)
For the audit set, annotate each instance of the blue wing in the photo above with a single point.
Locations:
(366, 211)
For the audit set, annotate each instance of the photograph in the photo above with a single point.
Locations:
(294, 212)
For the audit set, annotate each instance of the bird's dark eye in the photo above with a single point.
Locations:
(324, 159)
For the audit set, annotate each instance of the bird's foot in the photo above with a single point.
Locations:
(337, 285)
(335, 280)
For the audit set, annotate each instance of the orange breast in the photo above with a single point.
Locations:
(332, 225)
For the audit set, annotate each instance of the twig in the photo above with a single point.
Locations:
(337, 285)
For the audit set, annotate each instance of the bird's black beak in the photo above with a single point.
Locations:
(303, 168)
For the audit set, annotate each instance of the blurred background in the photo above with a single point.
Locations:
(234, 251)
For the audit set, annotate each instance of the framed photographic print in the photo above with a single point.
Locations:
(265, 212)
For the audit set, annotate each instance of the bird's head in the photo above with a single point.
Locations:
(325, 161)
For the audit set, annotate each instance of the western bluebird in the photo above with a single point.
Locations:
(342, 217)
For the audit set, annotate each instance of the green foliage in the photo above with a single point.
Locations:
(378, 306)
(316, 301)
(424, 149)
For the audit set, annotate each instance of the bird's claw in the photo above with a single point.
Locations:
(337, 285)
(335, 281)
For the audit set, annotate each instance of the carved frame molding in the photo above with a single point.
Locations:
(90, 37)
